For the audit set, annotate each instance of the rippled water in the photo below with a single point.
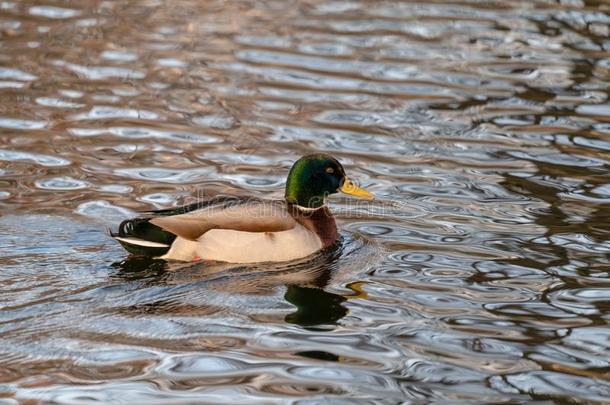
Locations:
(481, 274)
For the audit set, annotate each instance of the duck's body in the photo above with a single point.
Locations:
(247, 247)
(239, 230)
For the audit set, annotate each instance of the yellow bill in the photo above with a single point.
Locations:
(349, 187)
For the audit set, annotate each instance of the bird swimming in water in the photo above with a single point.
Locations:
(248, 230)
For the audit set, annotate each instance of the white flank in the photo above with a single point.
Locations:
(182, 249)
(247, 247)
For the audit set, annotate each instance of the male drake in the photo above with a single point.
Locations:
(248, 230)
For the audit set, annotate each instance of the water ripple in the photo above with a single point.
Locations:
(13, 123)
(53, 12)
(15, 74)
(44, 160)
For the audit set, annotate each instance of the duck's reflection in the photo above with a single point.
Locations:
(314, 306)
(304, 284)
(138, 267)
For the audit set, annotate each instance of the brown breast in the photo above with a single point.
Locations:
(321, 222)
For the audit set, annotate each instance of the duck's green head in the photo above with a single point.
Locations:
(312, 178)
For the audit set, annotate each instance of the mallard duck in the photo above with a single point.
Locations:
(248, 230)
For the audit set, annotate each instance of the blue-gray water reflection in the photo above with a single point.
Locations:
(479, 275)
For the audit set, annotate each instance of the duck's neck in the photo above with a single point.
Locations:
(318, 220)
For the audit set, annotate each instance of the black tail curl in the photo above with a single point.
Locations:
(142, 229)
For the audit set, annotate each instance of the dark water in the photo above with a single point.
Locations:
(480, 275)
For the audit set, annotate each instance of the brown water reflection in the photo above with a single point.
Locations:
(480, 274)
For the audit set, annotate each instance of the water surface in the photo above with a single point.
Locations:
(479, 275)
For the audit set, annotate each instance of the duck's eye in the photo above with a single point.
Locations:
(330, 170)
